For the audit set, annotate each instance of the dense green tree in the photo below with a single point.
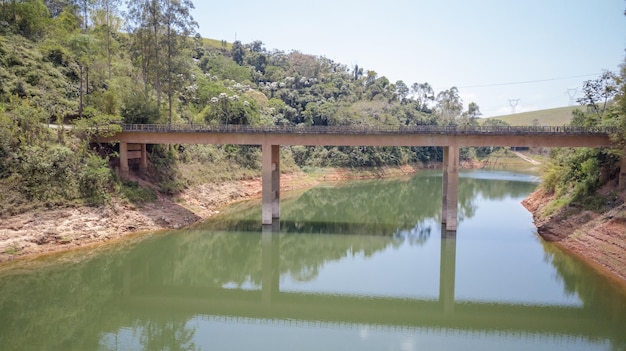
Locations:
(473, 111)
(29, 17)
(449, 106)
(180, 26)
(106, 19)
(238, 52)
(161, 29)
(424, 95)
(139, 108)
(402, 91)
(82, 47)
(574, 175)
(85, 8)
(56, 7)
(620, 109)
(597, 93)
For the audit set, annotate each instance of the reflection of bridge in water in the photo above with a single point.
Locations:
(133, 140)
(271, 304)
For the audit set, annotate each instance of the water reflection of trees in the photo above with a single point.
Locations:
(205, 259)
(161, 335)
(417, 235)
(58, 308)
(72, 305)
(68, 306)
(580, 279)
(599, 298)
(404, 210)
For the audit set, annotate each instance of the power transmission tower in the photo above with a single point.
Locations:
(571, 92)
(513, 103)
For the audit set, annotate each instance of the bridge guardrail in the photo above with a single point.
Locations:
(422, 129)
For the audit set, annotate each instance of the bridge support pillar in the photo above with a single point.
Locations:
(447, 269)
(143, 161)
(124, 170)
(450, 187)
(270, 284)
(270, 183)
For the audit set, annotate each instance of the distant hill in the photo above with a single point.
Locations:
(551, 117)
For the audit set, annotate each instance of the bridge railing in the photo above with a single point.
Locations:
(420, 129)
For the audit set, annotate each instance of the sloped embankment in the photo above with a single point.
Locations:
(599, 238)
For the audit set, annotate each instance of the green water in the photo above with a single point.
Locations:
(351, 266)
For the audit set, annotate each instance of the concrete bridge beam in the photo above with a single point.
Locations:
(270, 183)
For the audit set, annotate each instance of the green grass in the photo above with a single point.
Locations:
(506, 159)
(216, 44)
(551, 117)
(12, 250)
(136, 194)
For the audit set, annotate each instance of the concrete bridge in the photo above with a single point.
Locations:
(133, 140)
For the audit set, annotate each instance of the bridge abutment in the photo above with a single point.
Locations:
(271, 183)
(130, 151)
(450, 187)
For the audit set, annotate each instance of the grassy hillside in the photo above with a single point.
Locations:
(551, 117)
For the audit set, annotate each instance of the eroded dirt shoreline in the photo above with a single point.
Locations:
(48, 231)
(598, 239)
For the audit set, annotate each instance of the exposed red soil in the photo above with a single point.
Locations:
(598, 238)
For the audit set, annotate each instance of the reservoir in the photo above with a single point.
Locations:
(362, 265)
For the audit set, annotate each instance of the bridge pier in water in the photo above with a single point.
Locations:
(270, 203)
(270, 183)
(450, 191)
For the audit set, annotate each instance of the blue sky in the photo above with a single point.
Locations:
(483, 47)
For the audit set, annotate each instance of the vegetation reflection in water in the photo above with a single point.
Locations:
(381, 277)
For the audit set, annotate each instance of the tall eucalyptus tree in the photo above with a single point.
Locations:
(106, 16)
(161, 30)
(449, 106)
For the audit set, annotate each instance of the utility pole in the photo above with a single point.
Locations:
(571, 92)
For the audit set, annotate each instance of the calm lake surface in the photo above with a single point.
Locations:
(351, 266)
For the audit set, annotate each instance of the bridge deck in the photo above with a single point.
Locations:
(565, 136)
(370, 130)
